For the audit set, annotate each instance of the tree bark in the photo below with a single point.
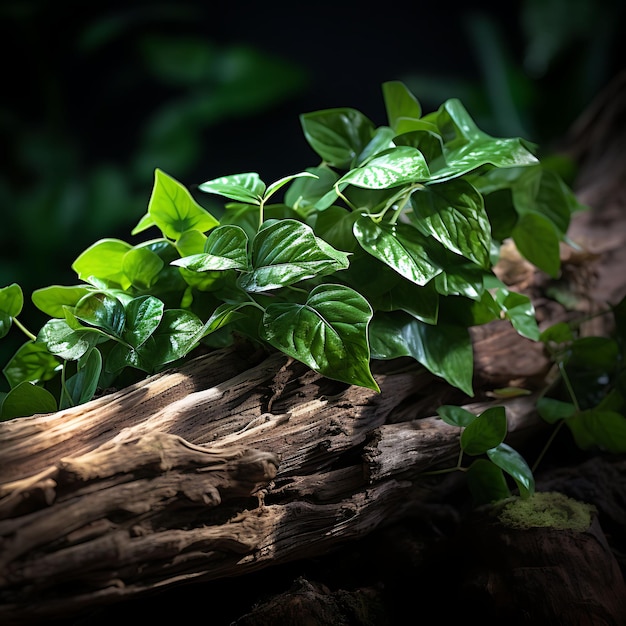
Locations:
(241, 460)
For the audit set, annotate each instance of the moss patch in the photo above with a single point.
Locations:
(547, 509)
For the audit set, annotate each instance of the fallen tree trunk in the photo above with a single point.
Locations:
(241, 460)
(243, 489)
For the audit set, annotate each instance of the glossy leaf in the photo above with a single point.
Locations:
(103, 312)
(328, 333)
(63, 341)
(287, 251)
(247, 188)
(467, 148)
(444, 350)
(401, 247)
(27, 399)
(403, 165)
(226, 247)
(143, 316)
(514, 464)
(337, 135)
(488, 431)
(177, 334)
(453, 213)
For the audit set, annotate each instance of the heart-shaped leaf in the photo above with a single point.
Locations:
(328, 333)
(287, 251)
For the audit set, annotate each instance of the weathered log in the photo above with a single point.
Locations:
(246, 487)
(240, 460)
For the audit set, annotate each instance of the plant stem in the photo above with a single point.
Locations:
(24, 329)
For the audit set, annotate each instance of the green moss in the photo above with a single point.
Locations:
(547, 509)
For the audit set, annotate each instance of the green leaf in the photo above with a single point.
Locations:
(27, 399)
(552, 410)
(485, 432)
(519, 310)
(381, 141)
(454, 214)
(402, 295)
(335, 225)
(104, 260)
(177, 334)
(538, 190)
(402, 165)
(538, 242)
(173, 209)
(287, 251)
(11, 302)
(456, 415)
(338, 136)
(401, 247)
(52, 300)
(223, 315)
(247, 188)
(515, 466)
(191, 242)
(486, 482)
(444, 350)
(103, 312)
(274, 187)
(143, 316)
(399, 103)
(62, 340)
(466, 147)
(82, 385)
(561, 332)
(226, 247)
(32, 362)
(328, 333)
(597, 428)
(304, 193)
(142, 267)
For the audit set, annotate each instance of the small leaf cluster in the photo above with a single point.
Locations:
(483, 436)
(589, 396)
(384, 249)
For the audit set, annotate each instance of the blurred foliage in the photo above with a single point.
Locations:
(98, 102)
(538, 73)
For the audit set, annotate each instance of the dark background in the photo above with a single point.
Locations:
(97, 95)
